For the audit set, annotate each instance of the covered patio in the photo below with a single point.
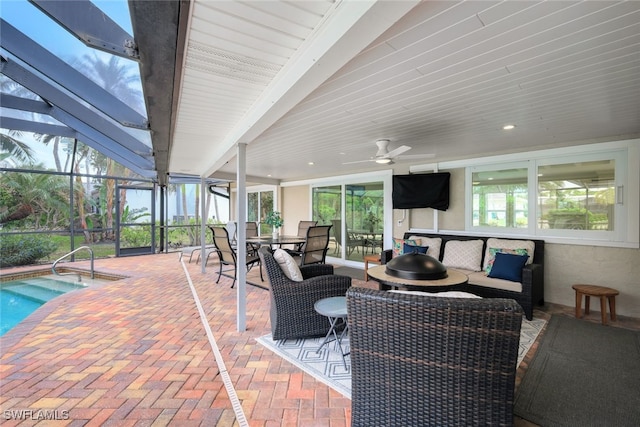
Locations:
(135, 352)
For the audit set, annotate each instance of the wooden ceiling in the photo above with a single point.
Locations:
(321, 81)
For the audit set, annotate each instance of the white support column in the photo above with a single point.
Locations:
(203, 224)
(241, 209)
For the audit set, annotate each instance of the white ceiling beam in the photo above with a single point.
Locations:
(350, 27)
(231, 177)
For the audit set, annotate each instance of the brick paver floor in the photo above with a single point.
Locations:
(135, 352)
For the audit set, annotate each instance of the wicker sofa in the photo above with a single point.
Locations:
(528, 292)
(421, 360)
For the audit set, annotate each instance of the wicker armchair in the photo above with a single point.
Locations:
(424, 361)
(292, 313)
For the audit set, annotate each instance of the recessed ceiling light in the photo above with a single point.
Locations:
(383, 161)
(508, 127)
(310, 163)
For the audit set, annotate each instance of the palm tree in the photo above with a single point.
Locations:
(42, 197)
(13, 148)
(116, 76)
(119, 78)
(47, 139)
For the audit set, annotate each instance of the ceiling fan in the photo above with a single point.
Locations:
(386, 157)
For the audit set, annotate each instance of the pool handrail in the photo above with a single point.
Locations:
(53, 267)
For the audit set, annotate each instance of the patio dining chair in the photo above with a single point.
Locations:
(353, 242)
(303, 226)
(229, 257)
(314, 249)
(252, 231)
(232, 228)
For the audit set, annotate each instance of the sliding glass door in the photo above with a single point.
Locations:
(326, 206)
(259, 204)
(356, 212)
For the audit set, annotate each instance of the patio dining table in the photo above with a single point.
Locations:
(277, 241)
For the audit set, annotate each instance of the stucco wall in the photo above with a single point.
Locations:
(618, 268)
(296, 205)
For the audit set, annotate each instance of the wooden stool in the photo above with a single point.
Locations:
(367, 260)
(596, 291)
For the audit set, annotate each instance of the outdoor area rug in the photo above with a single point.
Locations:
(583, 374)
(326, 366)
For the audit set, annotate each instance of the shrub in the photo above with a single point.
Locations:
(24, 250)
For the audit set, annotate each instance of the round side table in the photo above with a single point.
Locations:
(335, 309)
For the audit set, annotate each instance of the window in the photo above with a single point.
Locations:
(577, 196)
(584, 193)
(500, 197)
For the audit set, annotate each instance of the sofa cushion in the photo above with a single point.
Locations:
(408, 249)
(465, 254)
(492, 242)
(508, 266)
(288, 265)
(434, 244)
(445, 294)
(478, 278)
(398, 245)
(494, 251)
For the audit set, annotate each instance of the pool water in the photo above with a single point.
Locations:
(20, 298)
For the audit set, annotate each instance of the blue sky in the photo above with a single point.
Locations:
(35, 24)
(43, 30)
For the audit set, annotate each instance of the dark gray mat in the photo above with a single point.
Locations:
(583, 374)
(354, 273)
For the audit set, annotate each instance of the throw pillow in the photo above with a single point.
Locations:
(408, 249)
(508, 266)
(493, 242)
(288, 265)
(494, 251)
(398, 245)
(434, 244)
(446, 294)
(464, 254)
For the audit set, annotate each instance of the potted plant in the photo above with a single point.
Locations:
(275, 221)
(371, 221)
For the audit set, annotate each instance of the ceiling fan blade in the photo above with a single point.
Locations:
(396, 152)
(358, 161)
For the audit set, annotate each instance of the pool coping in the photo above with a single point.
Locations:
(29, 274)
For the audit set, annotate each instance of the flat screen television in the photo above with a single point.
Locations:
(421, 190)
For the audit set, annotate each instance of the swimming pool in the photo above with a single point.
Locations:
(20, 298)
